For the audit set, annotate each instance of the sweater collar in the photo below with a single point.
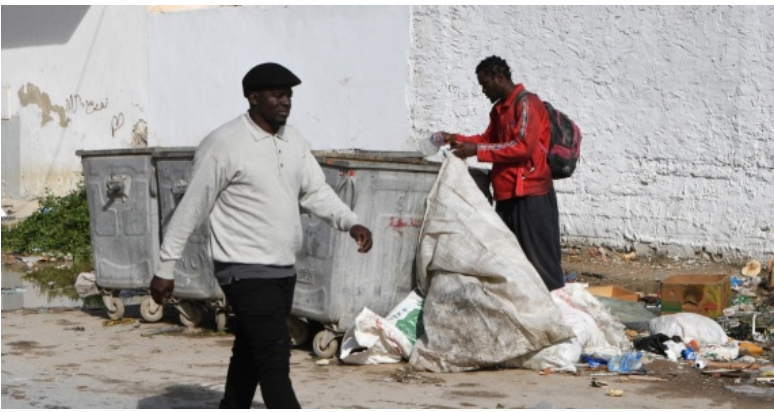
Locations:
(260, 134)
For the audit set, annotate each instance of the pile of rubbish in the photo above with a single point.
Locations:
(480, 304)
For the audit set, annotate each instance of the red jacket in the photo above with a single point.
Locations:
(514, 143)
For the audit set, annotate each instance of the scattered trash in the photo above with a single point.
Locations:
(727, 352)
(752, 268)
(323, 362)
(617, 393)
(655, 343)
(706, 295)
(690, 326)
(373, 339)
(627, 362)
(115, 322)
(598, 384)
(76, 328)
(86, 284)
(165, 329)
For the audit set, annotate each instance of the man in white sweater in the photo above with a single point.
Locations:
(249, 178)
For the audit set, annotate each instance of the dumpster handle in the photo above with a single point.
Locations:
(154, 190)
(346, 190)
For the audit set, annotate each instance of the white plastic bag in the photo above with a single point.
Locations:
(690, 326)
(372, 339)
(587, 318)
(86, 284)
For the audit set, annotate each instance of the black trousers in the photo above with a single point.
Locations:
(261, 352)
(535, 222)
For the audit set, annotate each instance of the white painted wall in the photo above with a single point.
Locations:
(78, 79)
(676, 105)
(353, 62)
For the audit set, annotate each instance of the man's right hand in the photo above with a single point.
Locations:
(161, 289)
(449, 138)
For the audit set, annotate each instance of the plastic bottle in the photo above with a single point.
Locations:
(431, 145)
(628, 362)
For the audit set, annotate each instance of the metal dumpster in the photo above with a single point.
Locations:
(388, 191)
(195, 285)
(121, 191)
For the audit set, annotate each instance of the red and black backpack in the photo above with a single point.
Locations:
(563, 151)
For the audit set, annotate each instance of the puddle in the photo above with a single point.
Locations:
(48, 287)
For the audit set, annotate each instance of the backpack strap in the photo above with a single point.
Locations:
(520, 96)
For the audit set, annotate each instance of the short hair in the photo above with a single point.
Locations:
(494, 65)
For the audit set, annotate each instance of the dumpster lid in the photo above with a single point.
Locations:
(188, 151)
(115, 152)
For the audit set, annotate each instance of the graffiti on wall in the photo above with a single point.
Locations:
(116, 123)
(31, 94)
(75, 102)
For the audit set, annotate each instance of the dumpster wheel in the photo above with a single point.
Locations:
(325, 344)
(191, 314)
(299, 331)
(150, 310)
(221, 318)
(114, 305)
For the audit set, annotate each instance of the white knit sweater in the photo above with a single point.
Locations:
(250, 184)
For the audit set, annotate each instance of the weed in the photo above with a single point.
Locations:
(59, 226)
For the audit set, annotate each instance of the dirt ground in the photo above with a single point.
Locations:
(75, 358)
(55, 358)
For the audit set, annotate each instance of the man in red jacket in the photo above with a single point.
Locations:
(515, 144)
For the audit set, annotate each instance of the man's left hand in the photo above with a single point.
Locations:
(465, 149)
(362, 236)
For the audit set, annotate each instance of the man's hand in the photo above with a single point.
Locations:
(449, 138)
(362, 236)
(464, 149)
(161, 289)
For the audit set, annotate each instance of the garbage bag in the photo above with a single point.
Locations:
(86, 284)
(690, 326)
(597, 333)
(485, 304)
(372, 339)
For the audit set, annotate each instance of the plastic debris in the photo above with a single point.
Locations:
(617, 393)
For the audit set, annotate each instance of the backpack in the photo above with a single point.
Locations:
(563, 152)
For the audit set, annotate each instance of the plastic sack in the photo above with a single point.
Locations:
(372, 339)
(690, 326)
(723, 353)
(584, 314)
(485, 302)
(86, 284)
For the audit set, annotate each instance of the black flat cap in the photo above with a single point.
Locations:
(268, 75)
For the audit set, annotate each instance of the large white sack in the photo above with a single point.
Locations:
(485, 303)
(688, 326)
(586, 316)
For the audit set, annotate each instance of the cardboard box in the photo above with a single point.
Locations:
(706, 295)
(615, 292)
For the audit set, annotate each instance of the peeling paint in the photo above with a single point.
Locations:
(33, 95)
(140, 134)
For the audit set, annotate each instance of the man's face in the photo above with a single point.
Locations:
(489, 85)
(272, 105)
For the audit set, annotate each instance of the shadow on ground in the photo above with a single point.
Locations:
(187, 397)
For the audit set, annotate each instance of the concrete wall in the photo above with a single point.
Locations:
(676, 105)
(353, 62)
(78, 79)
